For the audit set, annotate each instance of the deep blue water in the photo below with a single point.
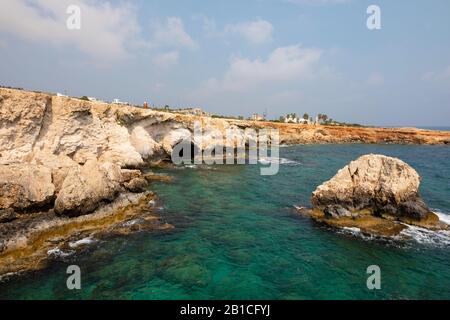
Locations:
(237, 236)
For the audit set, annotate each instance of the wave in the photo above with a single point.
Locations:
(440, 238)
(5, 277)
(82, 242)
(57, 252)
(281, 161)
(352, 230)
(131, 222)
(442, 216)
(356, 232)
(426, 236)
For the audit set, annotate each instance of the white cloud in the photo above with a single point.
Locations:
(437, 75)
(166, 59)
(375, 79)
(283, 64)
(172, 34)
(105, 29)
(258, 31)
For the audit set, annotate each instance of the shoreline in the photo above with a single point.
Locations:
(78, 159)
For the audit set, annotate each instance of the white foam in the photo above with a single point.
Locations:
(356, 232)
(352, 230)
(131, 223)
(270, 160)
(442, 216)
(425, 236)
(59, 253)
(6, 276)
(82, 242)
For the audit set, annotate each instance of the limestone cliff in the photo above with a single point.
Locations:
(68, 166)
(49, 144)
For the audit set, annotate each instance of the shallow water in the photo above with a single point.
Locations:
(237, 236)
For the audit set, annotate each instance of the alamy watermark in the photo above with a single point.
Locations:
(374, 19)
(74, 280)
(73, 22)
(374, 280)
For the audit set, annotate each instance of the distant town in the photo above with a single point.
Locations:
(293, 118)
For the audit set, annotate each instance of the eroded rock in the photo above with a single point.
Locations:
(380, 184)
(86, 187)
(376, 194)
(25, 187)
(136, 185)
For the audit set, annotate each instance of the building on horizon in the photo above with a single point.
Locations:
(258, 117)
(117, 101)
(292, 118)
(193, 111)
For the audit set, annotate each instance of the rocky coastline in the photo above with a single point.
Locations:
(71, 169)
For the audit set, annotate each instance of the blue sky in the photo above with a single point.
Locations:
(239, 57)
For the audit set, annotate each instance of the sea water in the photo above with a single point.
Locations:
(238, 236)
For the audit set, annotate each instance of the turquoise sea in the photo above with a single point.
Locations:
(237, 236)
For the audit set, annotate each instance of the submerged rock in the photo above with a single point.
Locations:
(375, 193)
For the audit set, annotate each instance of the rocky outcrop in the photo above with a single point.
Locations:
(375, 191)
(86, 187)
(25, 188)
(62, 159)
(64, 138)
(381, 184)
(68, 142)
(28, 243)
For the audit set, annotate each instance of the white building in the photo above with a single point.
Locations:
(257, 117)
(303, 121)
(117, 101)
(290, 119)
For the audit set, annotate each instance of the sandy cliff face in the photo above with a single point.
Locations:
(81, 144)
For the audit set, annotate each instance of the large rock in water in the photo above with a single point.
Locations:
(376, 184)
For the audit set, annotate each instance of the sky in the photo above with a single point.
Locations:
(239, 57)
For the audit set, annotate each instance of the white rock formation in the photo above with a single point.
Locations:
(381, 184)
